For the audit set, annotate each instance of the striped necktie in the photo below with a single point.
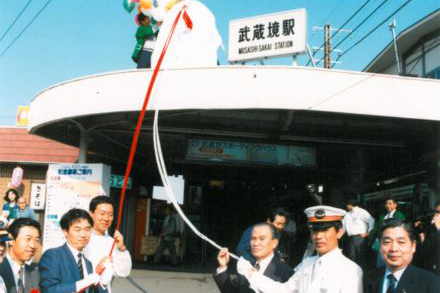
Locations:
(80, 266)
(392, 283)
(20, 288)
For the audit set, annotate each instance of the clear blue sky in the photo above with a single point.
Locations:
(73, 38)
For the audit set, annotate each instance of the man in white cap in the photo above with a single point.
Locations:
(329, 271)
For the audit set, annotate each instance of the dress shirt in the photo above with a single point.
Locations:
(75, 256)
(15, 267)
(358, 221)
(386, 282)
(263, 264)
(99, 247)
(334, 274)
(2, 285)
(389, 215)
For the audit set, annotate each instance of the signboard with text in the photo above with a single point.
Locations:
(117, 181)
(272, 35)
(250, 153)
(70, 186)
(38, 196)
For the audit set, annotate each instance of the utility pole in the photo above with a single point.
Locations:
(327, 46)
(393, 31)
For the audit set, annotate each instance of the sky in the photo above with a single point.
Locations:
(74, 38)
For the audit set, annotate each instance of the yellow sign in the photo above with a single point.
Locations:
(23, 116)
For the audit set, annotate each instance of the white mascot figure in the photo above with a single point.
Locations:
(189, 47)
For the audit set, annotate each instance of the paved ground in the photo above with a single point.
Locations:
(165, 282)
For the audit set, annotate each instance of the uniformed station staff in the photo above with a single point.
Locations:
(329, 271)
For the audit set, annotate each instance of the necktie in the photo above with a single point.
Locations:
(257, 267)
(392, 283)
(80, 266)
(20, 283)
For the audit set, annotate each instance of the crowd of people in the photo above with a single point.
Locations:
(82, 264)
(406, 257)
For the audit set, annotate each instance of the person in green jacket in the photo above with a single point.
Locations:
(392, 212)
(146, 38)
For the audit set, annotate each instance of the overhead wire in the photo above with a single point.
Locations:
(357, 27)
(333, 10)
(15, 20)
(25, 28)
(372, 31)
(342, 26)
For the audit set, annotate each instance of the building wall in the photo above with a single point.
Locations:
(31, 174)
(424, 58)
(433, 57)
(391, 70)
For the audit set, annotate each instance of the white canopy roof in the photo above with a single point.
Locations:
(241, 87)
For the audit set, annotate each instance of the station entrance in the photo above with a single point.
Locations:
(344, 154)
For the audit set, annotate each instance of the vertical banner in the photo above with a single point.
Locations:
(71, 186)
(38, 196)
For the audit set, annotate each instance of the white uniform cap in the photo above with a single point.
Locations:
(320, 214)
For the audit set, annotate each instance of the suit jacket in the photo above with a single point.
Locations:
(397, 215)
(59, 271)
(430, 251)
(413, 280)
(276, 270)
(31, 277)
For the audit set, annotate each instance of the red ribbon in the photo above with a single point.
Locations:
(140, 120)
(187, 20)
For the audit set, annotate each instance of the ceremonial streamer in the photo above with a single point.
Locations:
(168, 188)
(157, 146)
(139, 124)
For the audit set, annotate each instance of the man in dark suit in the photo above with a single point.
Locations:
(16, 274)
(278, 217)
(430, 249)
(264, 241)
(397, 245)
(391, 212)
(65, 269)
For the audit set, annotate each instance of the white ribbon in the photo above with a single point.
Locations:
(168, 190)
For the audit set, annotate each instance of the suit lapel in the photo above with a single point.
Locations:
(8, 276)
(88, 266)
(31, 278)
(407, 281)
(70, 261)
(270, 270)
(377, 280)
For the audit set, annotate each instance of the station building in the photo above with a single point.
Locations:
(418, 50)
(246, 139)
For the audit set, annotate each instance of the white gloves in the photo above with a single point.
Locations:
(244, 267)
(88, 281)
(107, 274)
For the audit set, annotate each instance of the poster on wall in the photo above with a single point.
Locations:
(71, 186)
(38, 196)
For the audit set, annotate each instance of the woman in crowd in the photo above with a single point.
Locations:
(10, 206)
